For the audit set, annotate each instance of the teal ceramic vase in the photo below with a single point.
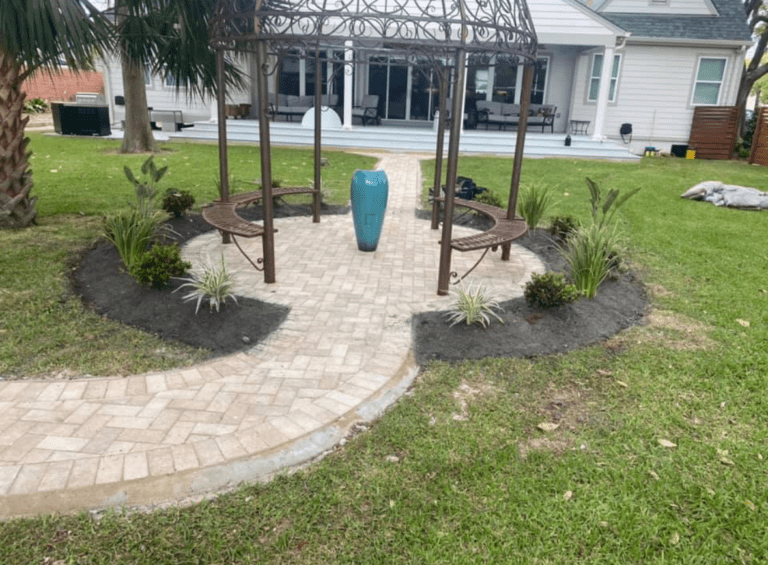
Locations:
(370, 191)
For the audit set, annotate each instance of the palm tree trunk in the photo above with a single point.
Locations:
(137, 135)
(17, 209)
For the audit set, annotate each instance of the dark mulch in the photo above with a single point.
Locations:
(527, 331)
(105, 288)
(103, 285)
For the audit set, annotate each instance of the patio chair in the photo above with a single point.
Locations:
(368, 110)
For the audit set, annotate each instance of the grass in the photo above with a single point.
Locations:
(44, 329)
(476, 481)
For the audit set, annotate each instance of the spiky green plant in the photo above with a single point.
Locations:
(131, 232)
(589, 254)
(532, 203)
(215, 285)
(473, 306)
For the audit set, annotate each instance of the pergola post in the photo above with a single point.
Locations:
(444, 273)
(222, 127)
(318, 137)
(517, 165)
(268, 239)
(439, 152)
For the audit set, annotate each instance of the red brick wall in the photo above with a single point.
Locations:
(63, 86)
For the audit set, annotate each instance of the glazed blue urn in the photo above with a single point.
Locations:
(370, 191)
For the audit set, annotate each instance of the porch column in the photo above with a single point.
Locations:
(349, 55)
(603, 93)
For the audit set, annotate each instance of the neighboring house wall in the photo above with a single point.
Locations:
(658, 7)
(162, 96)
(655, 98)
(62, 85)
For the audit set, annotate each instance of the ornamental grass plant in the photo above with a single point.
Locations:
(533, 201)
(589, 253)
(214, 285)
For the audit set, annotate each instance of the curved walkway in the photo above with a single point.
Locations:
(342, 356)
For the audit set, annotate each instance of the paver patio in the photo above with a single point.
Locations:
(342, 356)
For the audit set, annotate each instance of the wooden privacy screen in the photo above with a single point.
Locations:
(713, 131)
(759, 153)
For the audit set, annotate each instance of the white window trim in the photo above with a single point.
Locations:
(590, 77)
(696, 80)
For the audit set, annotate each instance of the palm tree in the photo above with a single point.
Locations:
(36, 34)
(170, 38)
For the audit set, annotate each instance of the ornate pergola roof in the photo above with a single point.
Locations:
(431, 28)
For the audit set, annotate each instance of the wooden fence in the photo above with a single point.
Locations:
(759, 153)
(713, 131)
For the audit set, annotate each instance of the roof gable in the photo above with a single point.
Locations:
(569, 22)
(730, 24)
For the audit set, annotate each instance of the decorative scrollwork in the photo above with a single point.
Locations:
(427, 28)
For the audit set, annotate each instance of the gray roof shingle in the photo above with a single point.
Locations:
(730, 24)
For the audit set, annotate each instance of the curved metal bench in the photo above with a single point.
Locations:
(224, 217)
(503, 232)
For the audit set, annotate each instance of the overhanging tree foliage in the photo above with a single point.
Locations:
(170, 38)
(757, 18)
(36, 34)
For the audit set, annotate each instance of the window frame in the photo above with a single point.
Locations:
(720, 83)
(614, 80)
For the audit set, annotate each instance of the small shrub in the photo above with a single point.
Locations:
(473, 307)
(159, 265)
(532, 204)
(549, 291)
(35, 106)
(215, 285)
(177, 202)
(131, 232)
(589, 253)
(489, 198)
(563, 226)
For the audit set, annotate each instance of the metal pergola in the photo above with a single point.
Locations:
(446, 34)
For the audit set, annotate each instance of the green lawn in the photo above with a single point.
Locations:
(606, 487)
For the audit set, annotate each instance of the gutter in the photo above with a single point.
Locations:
(732, 43)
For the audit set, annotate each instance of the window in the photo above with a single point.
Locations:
(709, 79)
(594, 80)
(170, 80)
(147, 77)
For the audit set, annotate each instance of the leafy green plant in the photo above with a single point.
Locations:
(549, 290)
(177, 202)
(146, 189)
(473, 306)
(214, 285)
(589, 254)
(563, 226)
(532, 203)
(489, 197)
(35, 106)
(131, 232)
(603, 210)
(159, 265)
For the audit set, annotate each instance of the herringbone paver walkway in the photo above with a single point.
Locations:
(341, 356)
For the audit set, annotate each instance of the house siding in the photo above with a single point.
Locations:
(673, 7)
(162, 97)
(655, 98)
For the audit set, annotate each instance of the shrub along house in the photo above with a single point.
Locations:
(601, 63)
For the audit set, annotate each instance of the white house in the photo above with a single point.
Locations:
(661, 58)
